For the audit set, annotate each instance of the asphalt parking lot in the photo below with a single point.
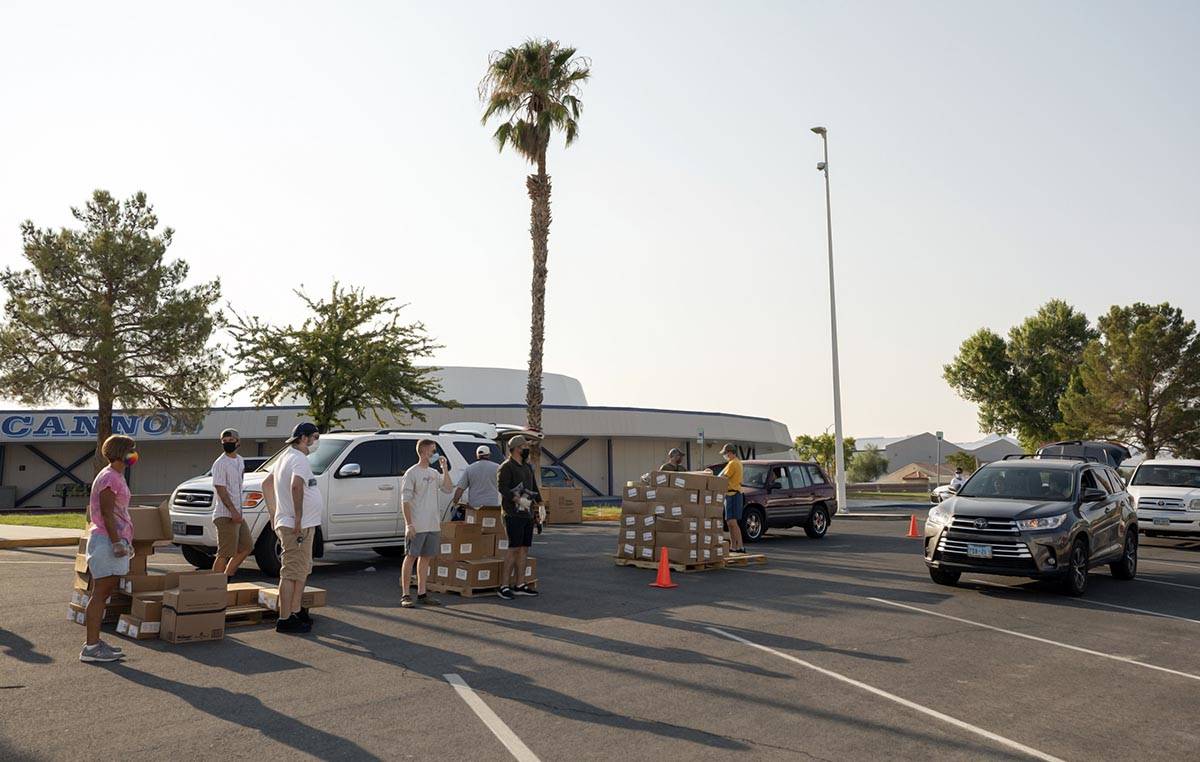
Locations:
(836, 649)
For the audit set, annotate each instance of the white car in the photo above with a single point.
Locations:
(1166, 494)
(358, 473)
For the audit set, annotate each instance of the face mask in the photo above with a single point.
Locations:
(229, 446)
(312, 446)
(131, 458)
(433, 459)
(524, 453)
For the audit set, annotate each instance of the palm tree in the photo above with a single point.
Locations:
(535, 89)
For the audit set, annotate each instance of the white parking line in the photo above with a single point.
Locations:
(1180, 564)
(515, 745)
(1008, 742)
(1047, 641)
(1092, 602)
(1143, 578)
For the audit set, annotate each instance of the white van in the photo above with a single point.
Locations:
(358, 473)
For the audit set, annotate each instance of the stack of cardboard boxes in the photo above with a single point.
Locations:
(150, 525)
(471, 553)
(682, 512)
(564, 505)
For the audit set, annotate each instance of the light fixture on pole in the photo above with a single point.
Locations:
(939, 460)
(839, 455)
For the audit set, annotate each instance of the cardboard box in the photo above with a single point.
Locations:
(150, 522)
(483, 572)
(650, 494)
(242, 593)
(629, 534)
(191, 628)
(715, 511)
(707, 555)
(706, 540)
(561, 515)
(562, 497)
(487, 519)
(78, 613)
(689, 524)
(313, 597)
(501, 544)
(688, 480)
(720, 550)
(674, 496)
(664, 524)
(530, 569)
(718, 484)
(196, 592)
(133, 627)
(147, 607)
(633, 493)
(480, 546)
(687, 555)
(635, 508)
(675, 540)
(82, 581)
(659, 479)
(83, 541)
(442, 571)
(137, 564)
(646, 536)
(627, 549)
(150, 583)
(81, 566)
(452, 531)
(118, 602)
(646, 553)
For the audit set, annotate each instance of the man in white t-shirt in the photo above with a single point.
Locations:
(296, 507)
(421, 503)
(233, 536)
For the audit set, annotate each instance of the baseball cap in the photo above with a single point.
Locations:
(304, 429)
(675, 451)
(516, 442)
(231, 433)
(482, 450)
(729, 448)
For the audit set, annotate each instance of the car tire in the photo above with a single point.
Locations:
(1126, 568)
(817, 525)
(390, 551)
(198, 557)
(944, 576)
(1075, 582)
(754, 524)
(266, 553)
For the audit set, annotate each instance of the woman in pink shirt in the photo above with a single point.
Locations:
(110, 540)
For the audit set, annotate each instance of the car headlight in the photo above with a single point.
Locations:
(1045, 522)
(939, 514)
(1194, 505)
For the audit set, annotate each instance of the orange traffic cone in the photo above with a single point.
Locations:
(912, 527)
(664, 572)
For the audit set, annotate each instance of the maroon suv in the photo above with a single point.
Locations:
(785, 493)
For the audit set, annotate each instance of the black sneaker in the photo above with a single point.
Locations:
(525, 590)
(506, 593)
(425, 599)
(292, 626)
(303, 616)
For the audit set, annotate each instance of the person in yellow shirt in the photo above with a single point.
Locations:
(733, 498)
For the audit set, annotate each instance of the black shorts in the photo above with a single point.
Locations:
(519, 528)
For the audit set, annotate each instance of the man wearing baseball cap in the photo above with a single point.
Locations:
(519, 497)
(674, 461)
(233, 535)
(733, 497)
(478, 481)
(296, 507)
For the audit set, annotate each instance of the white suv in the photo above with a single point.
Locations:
(1167, 496)
(358, 473)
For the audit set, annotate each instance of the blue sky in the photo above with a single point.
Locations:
(985, 158)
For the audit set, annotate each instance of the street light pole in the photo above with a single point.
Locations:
(839, 455)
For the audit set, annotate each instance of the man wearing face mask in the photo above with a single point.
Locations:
(233, 536)
(421, 504)
(296, 507)
(519, 497)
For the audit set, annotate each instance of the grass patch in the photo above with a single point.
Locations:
(601, 512)
(56, 520)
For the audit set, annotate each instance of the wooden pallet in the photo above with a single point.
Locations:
(674, 566)
(244, 616)
(468, 592)
(745, 559)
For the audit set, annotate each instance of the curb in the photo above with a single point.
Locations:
(39, 542)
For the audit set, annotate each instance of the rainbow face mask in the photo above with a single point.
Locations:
(131, 458)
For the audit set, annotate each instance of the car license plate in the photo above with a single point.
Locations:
(1162, 522)
(979, 551)
(178, 527)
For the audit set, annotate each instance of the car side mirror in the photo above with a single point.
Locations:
(1093, 495)
(349, 469)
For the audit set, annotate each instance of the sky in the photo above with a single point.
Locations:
(984, 158)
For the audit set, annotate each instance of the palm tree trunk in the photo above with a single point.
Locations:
(539, 230)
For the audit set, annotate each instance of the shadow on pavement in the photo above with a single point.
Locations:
(21, 649)
(250, 712)
(231, 654)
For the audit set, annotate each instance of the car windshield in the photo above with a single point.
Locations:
(754, 476)
(1021, 483)
(1167, 476)
(319, 459)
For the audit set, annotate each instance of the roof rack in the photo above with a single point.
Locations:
(1034, 456)
(475, 434)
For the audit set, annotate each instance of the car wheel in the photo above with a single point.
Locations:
(944, 576)
(818, 522)
(390, 551)
(198, 557)
(1126, 568)
(267, 553)
(754, 524)
(1076, 581)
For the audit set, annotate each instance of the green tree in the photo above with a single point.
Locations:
(351, 352)
(964, 460)
(100, 315)
(1139, 382)
(822, 447)
(534, 89)
(867, 465)
(1017, 383)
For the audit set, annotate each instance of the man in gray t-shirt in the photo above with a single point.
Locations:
(478, 480)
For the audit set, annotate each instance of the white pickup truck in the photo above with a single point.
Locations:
(358, 473)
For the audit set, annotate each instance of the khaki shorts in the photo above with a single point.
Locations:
(296, 557)
(232, 538)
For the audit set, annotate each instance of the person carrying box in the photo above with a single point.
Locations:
(478, 481)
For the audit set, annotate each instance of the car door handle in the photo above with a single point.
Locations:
(387, 486)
